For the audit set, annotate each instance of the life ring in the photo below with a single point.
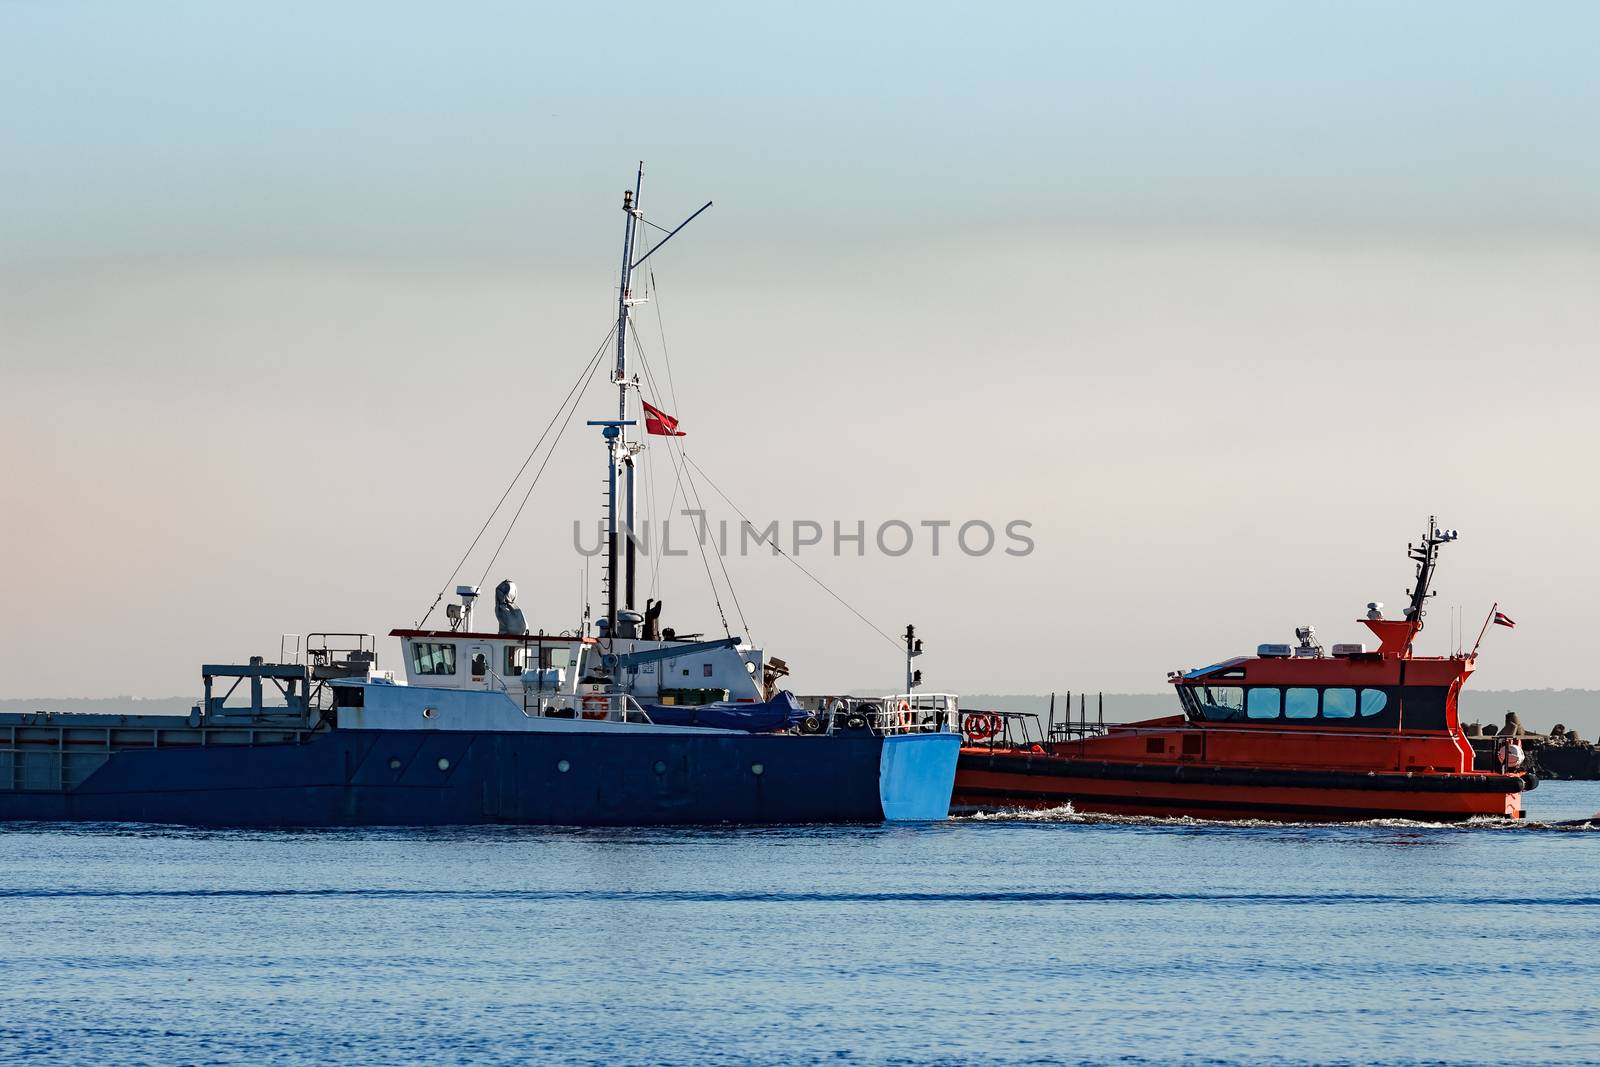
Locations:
(1509, 754)
(982, 725)
(595, 706)
(903, 715)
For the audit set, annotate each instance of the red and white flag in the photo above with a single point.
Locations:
(659, 422)
(1502, 619)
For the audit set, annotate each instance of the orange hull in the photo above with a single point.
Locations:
(987, 780)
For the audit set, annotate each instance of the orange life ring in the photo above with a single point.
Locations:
(904, 716)
(595, 706)
(982, 725)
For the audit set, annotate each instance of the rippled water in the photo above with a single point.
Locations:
(1047, 938)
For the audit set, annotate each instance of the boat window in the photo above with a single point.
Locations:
(560, 656)
(433, 657)
(1373, 701)
(1300, 704)
(1219, 703)
(480, 664)
(516, 661)
(1339, 703)
(1263, 702)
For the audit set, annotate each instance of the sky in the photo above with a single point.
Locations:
(1222, 300)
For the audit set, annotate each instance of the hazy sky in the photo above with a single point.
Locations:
(1224, 299)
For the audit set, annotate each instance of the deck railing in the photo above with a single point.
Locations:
(606, 707)
(917, 713)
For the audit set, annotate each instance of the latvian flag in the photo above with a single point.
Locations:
(1502, 619)
(658, 422)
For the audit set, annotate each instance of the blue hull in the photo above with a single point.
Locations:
(433, 778)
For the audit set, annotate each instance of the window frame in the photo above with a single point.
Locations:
(1277, 703)
(1361, 702)
(438, 653)
(1238, 711)
(1316, 702)
(1354, 705)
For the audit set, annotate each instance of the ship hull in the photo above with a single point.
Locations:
(435, 778)
(990, 780)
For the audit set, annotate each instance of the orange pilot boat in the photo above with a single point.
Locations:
(1292, 733)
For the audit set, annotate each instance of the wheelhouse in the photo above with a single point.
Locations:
(567, 663)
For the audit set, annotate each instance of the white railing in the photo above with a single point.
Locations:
(917, 713)
(600, 707)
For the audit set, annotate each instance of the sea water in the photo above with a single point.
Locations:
(1040, 938)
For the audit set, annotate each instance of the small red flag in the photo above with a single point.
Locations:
(1502, 619)
(659, 422)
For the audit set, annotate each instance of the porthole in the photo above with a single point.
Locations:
(563, 766)
(427, 713)
(394, 763)
(757, 769)
(661, 767)
(444, 764)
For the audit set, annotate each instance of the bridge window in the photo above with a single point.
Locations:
(1373, 701)
(433, 657)
(516, 661)
(1339, 703)
(1219, 703)
(551, 656)
(1300, 704)
(1263, 703)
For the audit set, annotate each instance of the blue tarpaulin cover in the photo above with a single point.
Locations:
(779, 713)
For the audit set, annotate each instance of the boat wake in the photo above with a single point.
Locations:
(1067, 814)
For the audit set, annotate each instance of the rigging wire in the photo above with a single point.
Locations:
(722, 563)
(774, 544)
(588, 380)
(518, 477)
(651, 492)
(677, 483)
(661, 547)
(661, 328)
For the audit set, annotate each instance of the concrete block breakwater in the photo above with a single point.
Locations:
(1561, 753)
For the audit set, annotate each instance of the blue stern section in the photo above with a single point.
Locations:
(915, 776)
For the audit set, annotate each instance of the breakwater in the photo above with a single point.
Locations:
(1561, 753)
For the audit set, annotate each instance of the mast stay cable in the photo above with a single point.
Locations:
(587, 380)
(588, 370)
(699, 540)
(774, 544)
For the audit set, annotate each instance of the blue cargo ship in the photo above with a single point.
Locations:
(350, 746)
(619, 721)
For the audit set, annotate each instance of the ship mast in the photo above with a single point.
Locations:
(619, 444)
(619, 450)
(1426, 555)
